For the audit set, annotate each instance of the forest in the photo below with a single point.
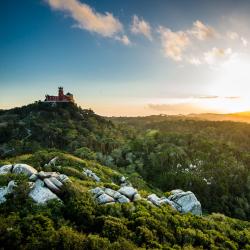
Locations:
(157, 154)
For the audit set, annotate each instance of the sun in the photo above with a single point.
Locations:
(232, 86)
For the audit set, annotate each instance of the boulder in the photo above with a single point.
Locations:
(6, 169)
(165, 200)
(95, 178)
(51, 186)
(52, 161)
(63, 178)
(42, 194)
(186, 202)
(3, 192)
(91, 174)
(56, 182)
(6, 190)
(43, 175)
(97, 191)
(104, 198)
(154, 199)
(23, 169)
(112, 193)
(128, 192)
(123, 199)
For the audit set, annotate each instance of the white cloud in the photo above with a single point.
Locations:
(88, 19)
(244, 41)
(215, 55)
(236, 36)
(202, 31)
(173, 43)
(141, 27)
(123, 39)
(233, 35)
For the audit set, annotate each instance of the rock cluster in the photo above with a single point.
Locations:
(184, 202)
(110, 196)
(91, 174)
(44, 185)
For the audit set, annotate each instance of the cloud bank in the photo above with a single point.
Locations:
(88, 19)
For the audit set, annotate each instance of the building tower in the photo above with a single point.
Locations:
(60, 93)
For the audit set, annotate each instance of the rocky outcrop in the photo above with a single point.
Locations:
(185, 202)
(108, 195)
(23, 169)
(42, 194)
(44, 185)
(91, 174)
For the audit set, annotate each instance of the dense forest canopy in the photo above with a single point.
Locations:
(157, 153)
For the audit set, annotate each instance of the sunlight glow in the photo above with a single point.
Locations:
(232, 85)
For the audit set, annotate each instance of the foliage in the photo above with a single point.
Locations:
(156, 153)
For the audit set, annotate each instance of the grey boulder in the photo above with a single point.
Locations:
(128, 191)
(6, 169)
(63, 178)
(49, 183)
(42, 194)
(91, 174)
(43, 175)
(97, 191)
(53, 161)
(104, 198)
(6, 190)
(123, 199)
(186, 202)
(24, 169)
(56, 182)
(154, 199)
(114, 194)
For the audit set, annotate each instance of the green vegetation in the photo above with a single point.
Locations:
(79, 223)
(157, 154)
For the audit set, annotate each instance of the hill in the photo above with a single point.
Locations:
(157, 154)
(63, 126)
(78, 222)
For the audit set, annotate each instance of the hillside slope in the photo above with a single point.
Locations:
(211, 159)
(78, 222)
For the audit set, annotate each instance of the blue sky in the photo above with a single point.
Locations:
(133, 57)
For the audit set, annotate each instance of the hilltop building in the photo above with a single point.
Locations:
(60, 98)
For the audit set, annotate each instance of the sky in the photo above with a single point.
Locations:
(127, 58)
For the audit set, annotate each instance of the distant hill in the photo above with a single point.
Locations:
(235, 117)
